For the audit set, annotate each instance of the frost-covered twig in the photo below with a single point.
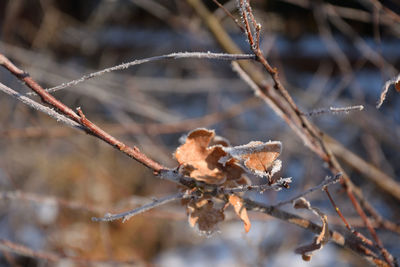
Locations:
(127, 215)
(277, 186)
(282, 103)
(195, 55)
(79, 117)
(326, 182)
(35, 105)
(334, 110)
(229, 14)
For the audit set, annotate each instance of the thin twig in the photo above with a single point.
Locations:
(348, 226)
(278, 185)
(349, 241)
(326, 182)
(86, 124)
(390, 13)
(195, 55)
(184, 125)
(333, 110)
(338, 210)
(311, 133)
(127, 215)
(35, 105)
(373, 174)
(286, 108)
(229, 14)
(386, 255)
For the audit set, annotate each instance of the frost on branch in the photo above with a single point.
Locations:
(208, 158)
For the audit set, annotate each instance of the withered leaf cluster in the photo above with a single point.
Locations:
(209, 158)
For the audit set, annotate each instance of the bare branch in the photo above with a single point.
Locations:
(326, 182)
(229, 14)
(277, 186)
(127, 215)
(184, 125)
(87, 125)
(282, 103)
(196, 55)
(333, 110)
(35, 105)
(350, 241)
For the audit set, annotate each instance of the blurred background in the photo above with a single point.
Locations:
(53, 179)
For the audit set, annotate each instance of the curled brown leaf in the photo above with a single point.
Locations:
(200, 161)
(240, 210)
(321, 239)
(257, 156)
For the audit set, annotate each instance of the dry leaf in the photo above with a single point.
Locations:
(257, 156)
(240, 210)
(233, 170)
(320, 240)
(209, 158)
(203, 215)
(200, 161)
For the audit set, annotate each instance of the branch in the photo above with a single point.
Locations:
(87, 125)
(326, 182)
(310, 131)
(184, 125)
(180, 55)
(229, 14)
(35, 105)
(342, 239)
(284, 106)
(372, 173)
(333, 110)
(277, 186)
(127, 215)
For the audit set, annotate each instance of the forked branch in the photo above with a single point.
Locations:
(282, 103)
(80, 119)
